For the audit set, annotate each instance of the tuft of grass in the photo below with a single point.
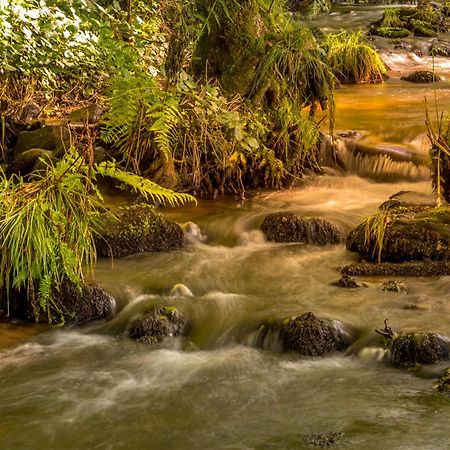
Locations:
(352, 59)
(374, 232)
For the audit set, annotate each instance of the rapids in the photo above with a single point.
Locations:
(93, 388)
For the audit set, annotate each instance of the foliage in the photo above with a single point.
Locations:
(47, 225)
(352, 59)
(439, 137)
(294, 67)
(374, 231)
(309, 7)
(391, 18)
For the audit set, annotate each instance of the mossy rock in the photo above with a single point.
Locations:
(423, 29)
(69, 304)
(391, 32)
(406, 269)
(414, 233)
(137, 229)
(310, 336)
(421, 76)
(54, 137)
(409, 349)
(25, 162)
(158, 324)
(445, 9)
(285, 227)
(91, 113)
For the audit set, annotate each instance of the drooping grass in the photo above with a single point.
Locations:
(352, 59)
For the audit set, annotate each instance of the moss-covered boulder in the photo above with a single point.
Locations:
(399, 234)
(421, 76)
(54, 137)
(409, 349)
(158, 324)
(137, 229)
(393, 32)
(310, 336)
(288, 227)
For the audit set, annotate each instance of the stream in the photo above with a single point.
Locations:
(92, 388)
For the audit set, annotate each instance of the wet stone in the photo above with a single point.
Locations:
(160, 323)
(394, 286)
(324, 440)
(348, 282)
(442, 384)
(421, 76)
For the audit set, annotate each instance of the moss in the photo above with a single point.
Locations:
(231, 45)
(445, 9)
(393, 32)
(137, 229)
(422, 28)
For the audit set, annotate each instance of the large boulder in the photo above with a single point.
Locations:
(53, 137)
(137, 229)
(310, 336)
(288, 227)
(414, 233)
(409, 349)
(158, 324)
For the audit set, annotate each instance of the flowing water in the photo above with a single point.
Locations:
(94, 388)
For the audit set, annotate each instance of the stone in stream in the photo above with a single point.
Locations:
(421, 76)
(349, 282)
(69, 304)
(324, 440)
(406, 269)
(394, 286)
(137, 229)
(158, 324)
(310, 336)
(409, 233)
(409, 349)
(285, 227)
(442, 384)
(181, 290)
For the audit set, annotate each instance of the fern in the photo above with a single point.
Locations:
(148, 189)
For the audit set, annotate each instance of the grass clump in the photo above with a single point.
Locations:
(352, 59)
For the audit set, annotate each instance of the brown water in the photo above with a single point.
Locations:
(93, 388)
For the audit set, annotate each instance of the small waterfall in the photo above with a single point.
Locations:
(378, 161)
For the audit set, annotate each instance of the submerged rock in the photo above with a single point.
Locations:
(442, 384)
(409, 349)
(324, 440)
(287, 227)
(414, 233)
(348, 282)
(394, 286)
(160, 323)
(311, 336)
(421, 76)
(137, 229)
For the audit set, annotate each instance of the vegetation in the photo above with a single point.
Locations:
(47, 226)
(352, 59)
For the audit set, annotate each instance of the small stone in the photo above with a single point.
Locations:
(348, 282)
(394, 286)
(442, 384)
(421, 76)
(324, 440)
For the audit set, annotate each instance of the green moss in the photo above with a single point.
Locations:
(422, 28)
(391, 32)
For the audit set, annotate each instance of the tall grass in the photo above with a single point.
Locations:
(352, 59)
